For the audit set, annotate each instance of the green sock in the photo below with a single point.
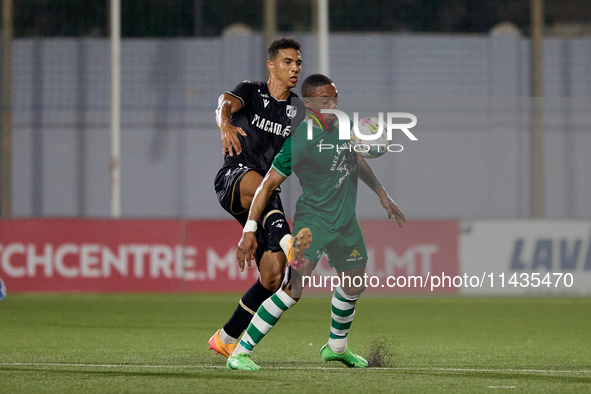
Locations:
(343, 311)
(266, 317)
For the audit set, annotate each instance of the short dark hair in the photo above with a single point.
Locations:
(283, 43)
(312, 82)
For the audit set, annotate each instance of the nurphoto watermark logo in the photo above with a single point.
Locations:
(376, 138)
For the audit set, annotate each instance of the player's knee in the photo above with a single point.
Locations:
(353, 283)
(272, 283)
(353, 290)
(276, 224)
(272, 279)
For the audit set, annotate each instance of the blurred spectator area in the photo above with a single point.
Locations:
(185, 18)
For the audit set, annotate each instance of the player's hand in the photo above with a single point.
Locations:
(393, 211)
(246, 248)
(230, 140)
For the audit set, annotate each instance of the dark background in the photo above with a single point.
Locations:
(184, 18)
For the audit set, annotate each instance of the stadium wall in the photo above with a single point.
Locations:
(82, 255)
(470, 168)
(527, 257)
(475, 258)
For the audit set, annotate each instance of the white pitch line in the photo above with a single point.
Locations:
(107, 365)
(298, 368)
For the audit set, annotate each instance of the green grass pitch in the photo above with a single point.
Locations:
(158, 343)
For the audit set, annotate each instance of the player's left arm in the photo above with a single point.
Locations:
(368, 177)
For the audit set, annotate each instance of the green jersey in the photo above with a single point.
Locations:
(327, 170)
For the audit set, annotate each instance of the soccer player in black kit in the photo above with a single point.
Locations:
(255, 119)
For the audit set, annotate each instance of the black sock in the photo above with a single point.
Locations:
(252, 299)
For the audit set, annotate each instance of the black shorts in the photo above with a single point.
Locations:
(227, 188)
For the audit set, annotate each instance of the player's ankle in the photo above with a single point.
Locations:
(239, 350)
(226, 339)
(338, 345)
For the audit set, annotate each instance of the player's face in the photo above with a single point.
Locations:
(286, 67)
(325, 97)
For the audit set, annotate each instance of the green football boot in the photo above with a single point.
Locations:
(348, 358)
(242, 362)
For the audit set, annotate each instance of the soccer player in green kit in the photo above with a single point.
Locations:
(327, 207)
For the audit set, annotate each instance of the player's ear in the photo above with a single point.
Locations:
(270, 65)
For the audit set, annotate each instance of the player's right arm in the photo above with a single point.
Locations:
(248, 243)
(370, 179)
(228, 105)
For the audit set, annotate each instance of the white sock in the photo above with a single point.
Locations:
(226, 339)
(284, 243)
(338, 345)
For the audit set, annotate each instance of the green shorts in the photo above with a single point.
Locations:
(344, 247)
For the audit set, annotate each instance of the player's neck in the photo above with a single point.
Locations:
(277, 89)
